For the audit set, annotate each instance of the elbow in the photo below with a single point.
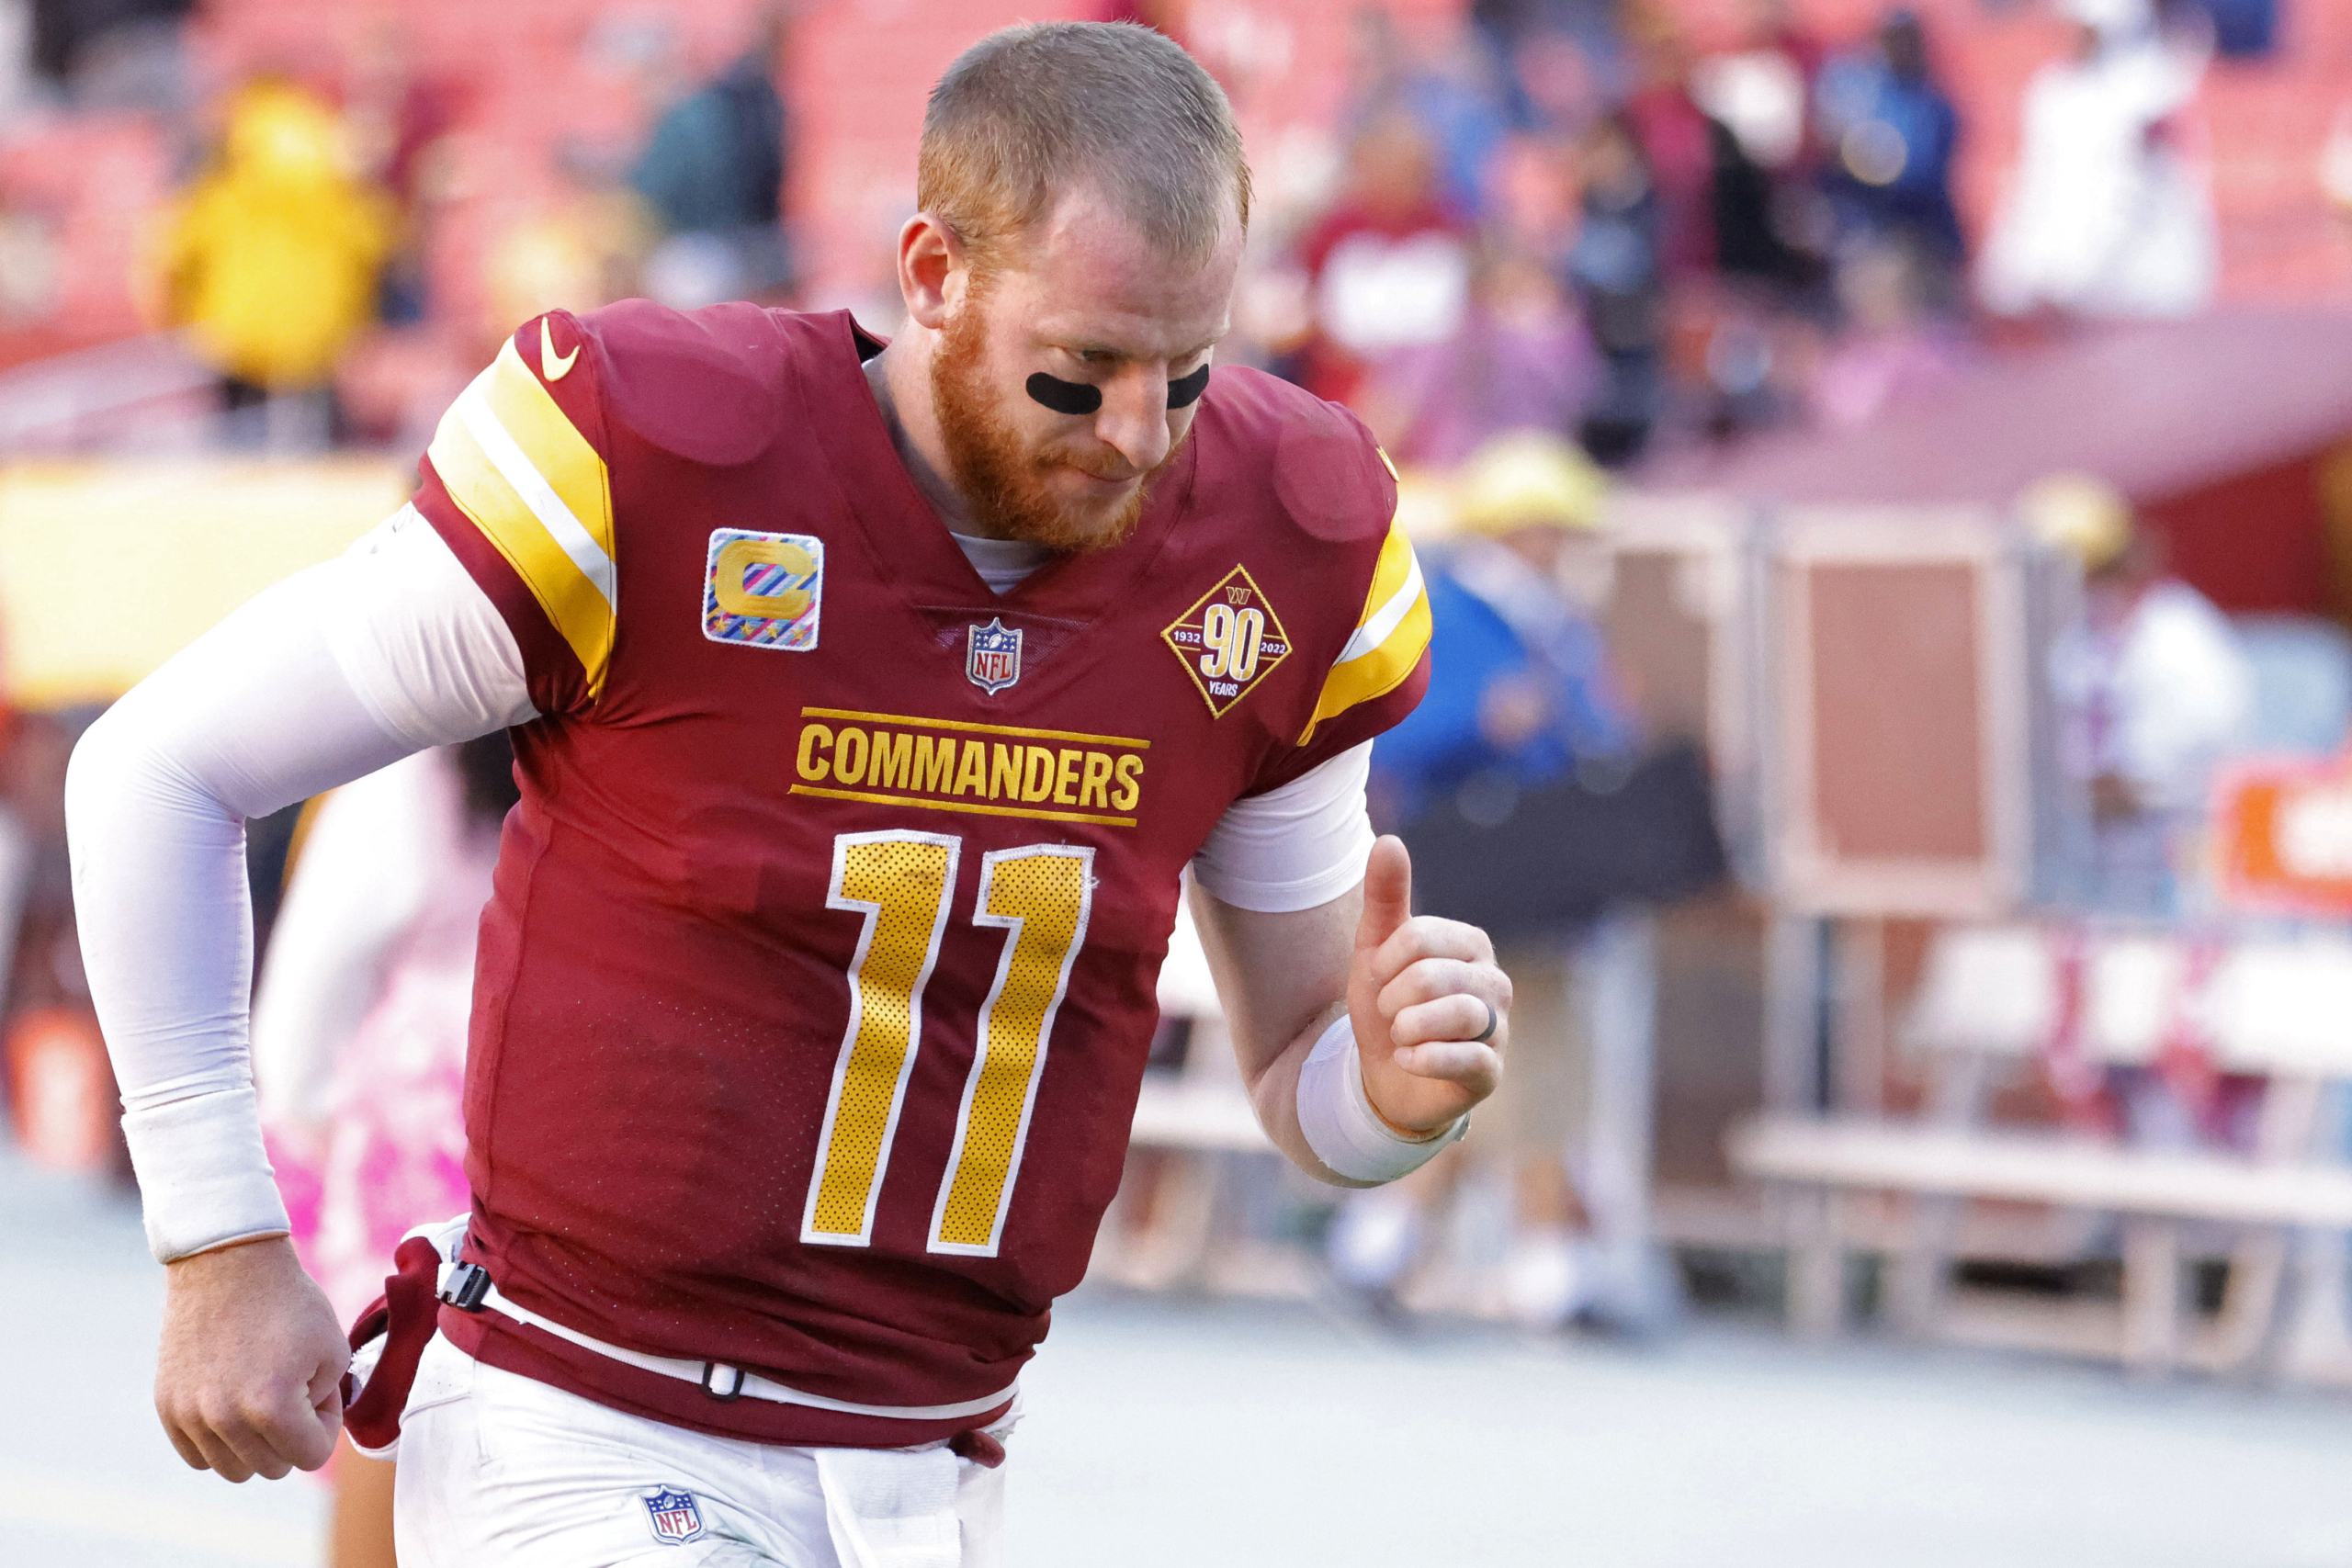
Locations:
(92, 774)
(114, 770)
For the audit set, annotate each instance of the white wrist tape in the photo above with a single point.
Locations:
(202, 1175)
(1346, 1133)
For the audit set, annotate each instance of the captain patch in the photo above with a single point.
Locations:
(763, 589)
(1229, 640)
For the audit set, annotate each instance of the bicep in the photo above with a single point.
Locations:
(338, 671)
(423, 645)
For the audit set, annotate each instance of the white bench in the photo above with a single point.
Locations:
(1988, 1003)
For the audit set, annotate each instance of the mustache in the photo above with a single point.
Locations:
(1101, 466)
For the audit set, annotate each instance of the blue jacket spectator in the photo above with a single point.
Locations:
(712, 171)
(1520, 683)
(1892, 134)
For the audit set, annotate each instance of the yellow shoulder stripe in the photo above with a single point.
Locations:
(541, 495)
(1389, 636)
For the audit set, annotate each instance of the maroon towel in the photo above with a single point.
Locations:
(404, 1315)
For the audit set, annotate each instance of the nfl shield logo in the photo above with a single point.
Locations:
(993, 661)
(676, 1516)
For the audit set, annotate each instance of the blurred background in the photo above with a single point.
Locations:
(1884, 476)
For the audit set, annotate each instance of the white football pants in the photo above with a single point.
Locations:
(499, 1469)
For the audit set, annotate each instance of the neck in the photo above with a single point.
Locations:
(901, 377)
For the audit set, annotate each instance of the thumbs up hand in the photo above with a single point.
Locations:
(1419, 991)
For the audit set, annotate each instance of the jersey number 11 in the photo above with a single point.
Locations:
(900, 881)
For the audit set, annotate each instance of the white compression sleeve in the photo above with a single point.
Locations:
(1295, 847)
(336, 671)
(423, 645)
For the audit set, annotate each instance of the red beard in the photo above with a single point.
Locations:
(1005, 486)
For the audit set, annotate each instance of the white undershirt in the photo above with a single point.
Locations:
(1001, 563)
(341, 670)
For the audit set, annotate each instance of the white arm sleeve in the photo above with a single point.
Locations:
(336, 671)
(1295, 847)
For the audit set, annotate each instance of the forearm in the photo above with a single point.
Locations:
(1275, 1026)
(334, 674)
(1364, 1034)
(1275, 890)
(1283, 980)
(1275, 1095)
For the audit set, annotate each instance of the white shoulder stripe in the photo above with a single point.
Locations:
(1389, 617)
(515, 469)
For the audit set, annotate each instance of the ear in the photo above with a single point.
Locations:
(931, 270)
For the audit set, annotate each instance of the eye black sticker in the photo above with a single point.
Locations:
(1066, 397)
(1186, 391)
(1077, 398)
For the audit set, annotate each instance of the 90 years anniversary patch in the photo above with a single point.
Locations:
(1229, 640)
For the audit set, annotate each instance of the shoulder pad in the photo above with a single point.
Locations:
(1327, 472)
(703, 385)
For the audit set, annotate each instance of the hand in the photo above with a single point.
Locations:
(249, 1376)
(1415, 985)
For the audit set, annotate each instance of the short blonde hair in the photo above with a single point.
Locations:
(1030, 111)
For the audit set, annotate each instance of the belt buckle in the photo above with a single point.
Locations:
(710, 1371)
(464, 1286)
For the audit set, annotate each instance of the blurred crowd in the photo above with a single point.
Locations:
(1558, 213)
(1574, 219)
(300, 224)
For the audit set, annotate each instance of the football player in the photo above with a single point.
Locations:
(868, 703)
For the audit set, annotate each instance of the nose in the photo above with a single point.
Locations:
(1134, 421)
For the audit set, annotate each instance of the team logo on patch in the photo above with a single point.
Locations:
(1229, 640)
(992, 656)
(763, 589)
(675, 1515)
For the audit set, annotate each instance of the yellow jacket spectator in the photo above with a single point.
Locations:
(272, 258)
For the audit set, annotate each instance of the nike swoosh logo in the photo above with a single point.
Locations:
(551, 368)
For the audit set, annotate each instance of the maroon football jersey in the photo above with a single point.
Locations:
(813, 999)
